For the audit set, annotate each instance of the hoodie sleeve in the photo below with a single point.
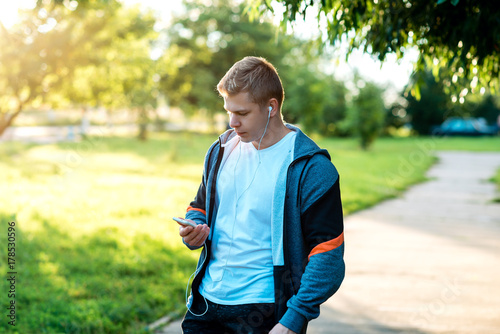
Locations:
(322, 227)
(197, 209)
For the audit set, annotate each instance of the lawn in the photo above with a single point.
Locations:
(496, 179)
(96, 249)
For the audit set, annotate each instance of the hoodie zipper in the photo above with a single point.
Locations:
(213, 187)
(286, 256)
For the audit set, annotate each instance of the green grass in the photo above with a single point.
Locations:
(391, 165)
(496, 179)
(96, 249)
(479, 144)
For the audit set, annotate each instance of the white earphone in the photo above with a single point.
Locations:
(270, 109)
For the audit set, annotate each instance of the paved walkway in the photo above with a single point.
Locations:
(428, 262)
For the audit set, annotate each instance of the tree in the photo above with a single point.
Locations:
(367, 113)
(488, 108)
(433, 105)
(123, 74)
(204, 43)
(315, 100)
(40, 53)
(86, 53)
(208, 39)
(462, 36)
(334, 108)
(396, 117)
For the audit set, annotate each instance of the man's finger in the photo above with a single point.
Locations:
(200, 238)
(185, 230)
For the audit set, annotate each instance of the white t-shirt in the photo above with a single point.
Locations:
(240, 270)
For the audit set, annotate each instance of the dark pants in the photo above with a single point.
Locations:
(229, 319)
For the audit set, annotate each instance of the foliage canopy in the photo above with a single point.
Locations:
(462, 36)
(206, 40)
(85, 53)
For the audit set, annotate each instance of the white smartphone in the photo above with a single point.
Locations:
(184, 221)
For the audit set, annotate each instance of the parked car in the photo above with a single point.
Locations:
(456, 126)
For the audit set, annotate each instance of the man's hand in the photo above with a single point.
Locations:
(280, 329)
(194, 237)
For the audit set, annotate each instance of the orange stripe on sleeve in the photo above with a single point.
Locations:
(190, 208)
(327, 246)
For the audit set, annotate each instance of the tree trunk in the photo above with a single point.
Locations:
(143, 124)
(7, 119)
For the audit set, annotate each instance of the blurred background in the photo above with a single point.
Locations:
(107, 108)
(139, 66)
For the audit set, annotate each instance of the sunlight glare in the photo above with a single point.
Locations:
(9, 11)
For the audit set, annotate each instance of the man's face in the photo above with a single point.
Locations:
(245, 117)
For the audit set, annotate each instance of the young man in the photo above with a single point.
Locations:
(268, 214)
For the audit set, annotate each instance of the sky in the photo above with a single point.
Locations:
(392, 73)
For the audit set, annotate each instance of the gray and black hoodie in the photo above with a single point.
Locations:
(307, 229)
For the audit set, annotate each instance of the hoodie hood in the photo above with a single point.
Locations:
(304, 146)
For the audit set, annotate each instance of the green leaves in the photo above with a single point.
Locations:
(201, 51)
(464, 34)
(96, 53)
(453, 2)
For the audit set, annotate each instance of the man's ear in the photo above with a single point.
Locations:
(273, 107)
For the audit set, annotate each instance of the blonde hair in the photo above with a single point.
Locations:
(256, 76)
